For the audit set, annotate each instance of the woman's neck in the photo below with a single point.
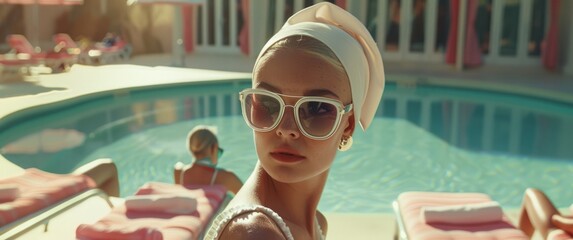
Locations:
(205, 162)
(288, 199)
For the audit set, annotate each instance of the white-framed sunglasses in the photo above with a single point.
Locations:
(317, 117)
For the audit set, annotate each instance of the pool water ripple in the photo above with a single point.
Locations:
(360, 180)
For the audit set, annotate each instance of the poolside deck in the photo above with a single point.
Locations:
(531, 79)
(42, 89)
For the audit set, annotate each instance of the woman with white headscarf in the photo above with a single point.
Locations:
(313, 82)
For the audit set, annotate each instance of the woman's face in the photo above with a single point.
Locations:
(285, 153)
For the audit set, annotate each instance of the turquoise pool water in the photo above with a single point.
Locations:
(424, 138)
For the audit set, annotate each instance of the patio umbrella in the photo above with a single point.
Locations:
(35, 19)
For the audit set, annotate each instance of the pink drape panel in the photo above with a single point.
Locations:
(549, 50)
(453, 32)
(341, 3)
(244, 34)
(472, 52)
(187, 12)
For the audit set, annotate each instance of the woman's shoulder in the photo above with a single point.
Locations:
(249, 222)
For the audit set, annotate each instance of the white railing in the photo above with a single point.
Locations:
(395, 39)
(418, 33)
(524, 21)
(434, 26)
(216, 26)
(280, 7)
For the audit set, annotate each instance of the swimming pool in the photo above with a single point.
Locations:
(424, 138)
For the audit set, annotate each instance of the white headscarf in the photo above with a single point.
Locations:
(347, 37)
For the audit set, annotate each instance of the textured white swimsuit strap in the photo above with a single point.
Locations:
(226, 216)
(214, 177)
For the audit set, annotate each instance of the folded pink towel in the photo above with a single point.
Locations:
(9, 192)
(101, 231)
(39, 189)
(463, 214)
(161, 203)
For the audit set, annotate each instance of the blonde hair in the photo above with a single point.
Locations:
(309, 45)
(200, 139)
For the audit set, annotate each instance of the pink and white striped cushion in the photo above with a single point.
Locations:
(38, 190)
(122, 223)
(410, 204)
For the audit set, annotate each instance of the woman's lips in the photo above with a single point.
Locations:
(287, 157)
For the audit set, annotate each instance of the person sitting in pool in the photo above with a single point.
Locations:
(313, 82)
(539, 213)
(204, 147)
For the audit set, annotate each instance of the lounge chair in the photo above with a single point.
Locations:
(538, 214)
(14, 66)
(56, 60)
(156, 220)
(98, 53)
(36, 197)
(66, 43)
(440, 215)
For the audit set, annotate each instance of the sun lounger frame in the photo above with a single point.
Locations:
(42, 217)
(400, 233)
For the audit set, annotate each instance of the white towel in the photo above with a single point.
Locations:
(8, 192)
(161, 203)
(463, 214)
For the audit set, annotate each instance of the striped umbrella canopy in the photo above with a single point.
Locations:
(36, 20)
(43, 2)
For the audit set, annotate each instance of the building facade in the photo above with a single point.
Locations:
(464, 33)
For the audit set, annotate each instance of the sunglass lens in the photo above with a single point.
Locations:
(317, 117)
(261, 110)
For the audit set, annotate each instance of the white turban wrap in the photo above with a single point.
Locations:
(347, 37)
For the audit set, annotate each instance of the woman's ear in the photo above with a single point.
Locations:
(214, 149)
(214, 153)
(350, 125)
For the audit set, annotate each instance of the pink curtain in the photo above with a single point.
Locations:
(453, 32)
(244, 34)
(549, 49)
(341, 3)
(472, 52)
(187, 12)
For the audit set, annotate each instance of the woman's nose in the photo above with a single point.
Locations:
(287, 126)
